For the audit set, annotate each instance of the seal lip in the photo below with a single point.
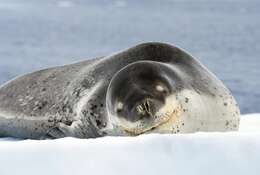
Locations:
(168, 117)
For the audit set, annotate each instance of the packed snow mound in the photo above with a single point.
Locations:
(199, 153)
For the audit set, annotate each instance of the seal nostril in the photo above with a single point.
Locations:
(147, 106)
(144, 109)
(140, 109)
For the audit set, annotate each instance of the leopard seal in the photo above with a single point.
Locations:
(149, 88)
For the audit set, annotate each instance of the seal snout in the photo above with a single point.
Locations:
(147, 108)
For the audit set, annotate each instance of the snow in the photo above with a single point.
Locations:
(38, 34)
(198, 153)
(250, 123)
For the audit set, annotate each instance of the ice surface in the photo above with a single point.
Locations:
(199, 153)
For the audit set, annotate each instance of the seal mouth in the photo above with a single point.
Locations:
(162, 122)
(167, 118)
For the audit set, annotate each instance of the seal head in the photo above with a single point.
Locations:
(139, 97)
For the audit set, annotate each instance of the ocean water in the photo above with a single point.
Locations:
(223, 35)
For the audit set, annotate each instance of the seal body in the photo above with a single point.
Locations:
(151, 87)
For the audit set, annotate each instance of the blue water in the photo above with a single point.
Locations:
(224, 35)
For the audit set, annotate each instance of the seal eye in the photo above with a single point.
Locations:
(161, 89)
(119, 107)
(119, 110)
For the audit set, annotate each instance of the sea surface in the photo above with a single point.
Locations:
(223, 35)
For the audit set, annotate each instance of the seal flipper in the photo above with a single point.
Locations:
(77, 129)
(63, 130)
(54, 133)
